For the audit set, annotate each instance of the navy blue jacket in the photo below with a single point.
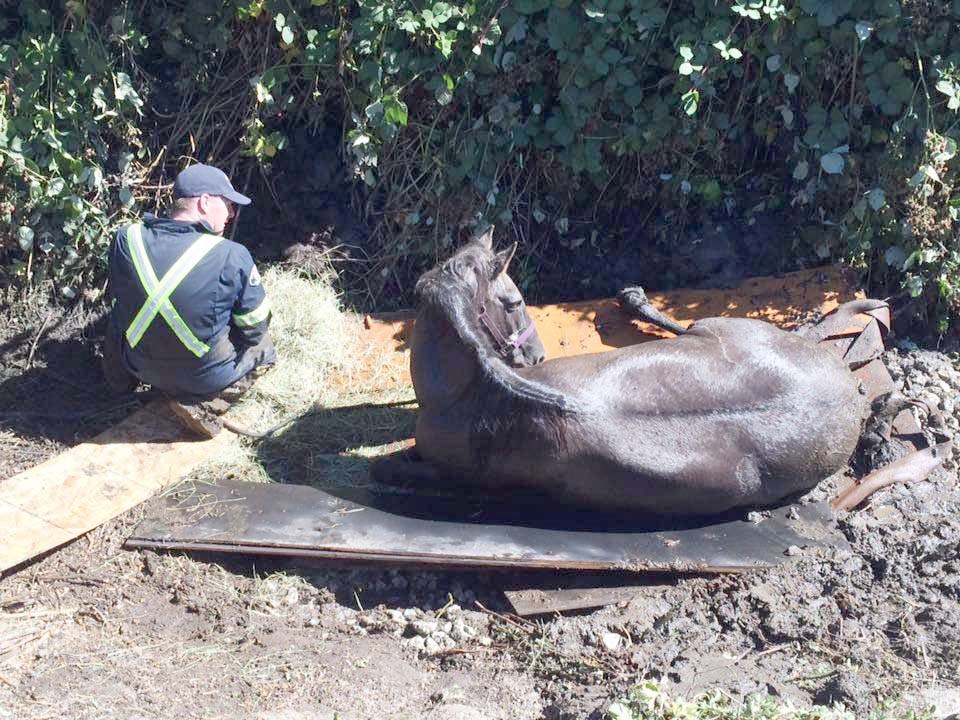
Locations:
(221, 300)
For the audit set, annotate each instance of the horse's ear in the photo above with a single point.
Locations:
(502, 261)
(485, 237)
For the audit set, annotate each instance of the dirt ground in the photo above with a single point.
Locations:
(95, 631)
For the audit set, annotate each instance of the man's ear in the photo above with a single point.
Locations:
(203, 203)
(502, 261)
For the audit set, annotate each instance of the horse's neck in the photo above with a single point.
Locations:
(442, 367)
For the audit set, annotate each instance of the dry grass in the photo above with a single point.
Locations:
(314, 382)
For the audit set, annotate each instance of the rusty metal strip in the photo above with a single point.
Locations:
(357, 525)
(866, 346)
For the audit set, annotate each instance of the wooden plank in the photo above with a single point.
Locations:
(74, 492)
(537, 601)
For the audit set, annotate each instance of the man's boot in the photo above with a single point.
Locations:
(197, 417)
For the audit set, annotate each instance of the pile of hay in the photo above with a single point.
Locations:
(319, 351)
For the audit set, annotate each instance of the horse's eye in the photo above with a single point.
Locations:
(512, 306)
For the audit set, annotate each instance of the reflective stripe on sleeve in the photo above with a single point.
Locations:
(254, 316)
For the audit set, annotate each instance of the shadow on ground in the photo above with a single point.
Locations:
(52, 390)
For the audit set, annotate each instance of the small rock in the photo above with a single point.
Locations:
(367, 622)
(417, 643)
(457, 712)
(397, 617)
(611, 641)
(411, 614)
(424, 628)
(794, 550)
(793, 514)
(291, 598)
(449, 695)
(443, 640)
(462, 632)
(431, 646)
(485, 641)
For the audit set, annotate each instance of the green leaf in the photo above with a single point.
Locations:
(832, 163)
(408, 22)
(791, 80)
(947, 87)
(626, 77)
(877, 198)
(914, 285)
(948, 152)
(394, 110)
(621, 711)
(686, 53)
(517, 32)
(801, 171)
(25, 236)
(924, 173)
(773, 63)
(895, 257)
(55, 187)
(563, 28)
(685, 68)
(287, 35)
(530, 7)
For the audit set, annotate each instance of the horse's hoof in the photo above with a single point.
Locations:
(633, 297)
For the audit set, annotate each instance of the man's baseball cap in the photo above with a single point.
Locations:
(199, 179)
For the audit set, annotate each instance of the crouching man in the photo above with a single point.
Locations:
(190, 315)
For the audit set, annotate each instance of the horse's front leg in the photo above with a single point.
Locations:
(405, 468)
(634, 300)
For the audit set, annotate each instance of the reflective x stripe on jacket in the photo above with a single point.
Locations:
(159, 291)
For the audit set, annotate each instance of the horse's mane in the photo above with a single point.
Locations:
(505, 399)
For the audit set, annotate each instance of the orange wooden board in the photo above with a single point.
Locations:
(599, 325)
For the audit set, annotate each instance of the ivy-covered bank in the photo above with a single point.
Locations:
(569, 124)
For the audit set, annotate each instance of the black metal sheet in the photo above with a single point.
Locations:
(356, 524)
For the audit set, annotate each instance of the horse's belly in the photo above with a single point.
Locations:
(711, 462)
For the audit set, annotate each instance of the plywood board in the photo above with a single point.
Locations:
(70, 494)
(355, 524)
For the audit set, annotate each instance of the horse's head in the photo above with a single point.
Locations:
(494, 302)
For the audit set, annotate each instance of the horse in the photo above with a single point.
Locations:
(730, 413)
